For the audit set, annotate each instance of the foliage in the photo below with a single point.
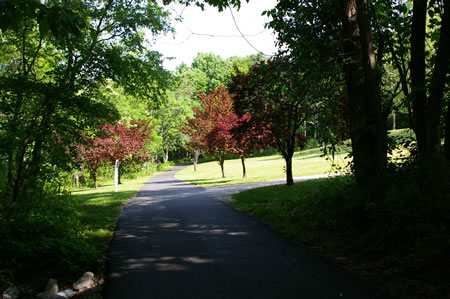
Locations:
(172, 117)
(204, 131)
(219, 140)
(275, 93)
(216, 69)
(250, 135)
(41, 238)
(212, 106)
(119, 142)
(209, 71)
(57, 54)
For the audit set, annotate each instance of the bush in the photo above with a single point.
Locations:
(41, 238)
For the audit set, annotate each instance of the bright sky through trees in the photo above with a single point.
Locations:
(211, 31)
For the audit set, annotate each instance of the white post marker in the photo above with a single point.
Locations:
(116, 176)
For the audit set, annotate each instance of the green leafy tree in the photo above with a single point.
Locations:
(276, 94)
(58, 54)
(172, 117)
(216, 69)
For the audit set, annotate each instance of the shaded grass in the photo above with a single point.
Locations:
(262, 169)
(400, 246)
(99, 209)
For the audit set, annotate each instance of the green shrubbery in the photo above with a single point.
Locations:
(45, 234)
(42, 238)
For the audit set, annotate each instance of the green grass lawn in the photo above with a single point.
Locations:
(329, 216)
(99, 209)
(261, 169)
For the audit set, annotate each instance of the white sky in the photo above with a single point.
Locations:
(211, 31)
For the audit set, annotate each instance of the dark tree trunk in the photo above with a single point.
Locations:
(244, 171)
(17, 184)
(418, 91)
(427, 110)
(447, 133)
(82, 177)
(222, 162)
(368, 132)
(94, 177)
(289, 177)
(437, 87)
(119, 175)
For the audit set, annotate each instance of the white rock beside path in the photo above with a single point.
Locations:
(49, 295)
(52, 286)
(11, 293)
(85, 282)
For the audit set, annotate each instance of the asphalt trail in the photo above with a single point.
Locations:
(176, 240)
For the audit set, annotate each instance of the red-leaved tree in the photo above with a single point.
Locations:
(250, 134)
(274, 92)
(213, 106)
(114, 142)
(219, 140)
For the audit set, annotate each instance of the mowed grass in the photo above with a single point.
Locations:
(99, 209)
(262, 169)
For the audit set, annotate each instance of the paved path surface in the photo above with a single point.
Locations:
(176, 240)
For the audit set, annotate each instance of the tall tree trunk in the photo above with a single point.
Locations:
(166, 155)
(289, 176)
(437, 87)
(418, 88)
(447, 132)
(367, 124)
(17, 184)
(94, 177)
(394, 121)
(195, 159)
(244, 171)
(119, 175)
(82, 177)
(76, 178)
(222, 162)
(427, 110)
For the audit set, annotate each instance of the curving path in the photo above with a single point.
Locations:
(176, 240)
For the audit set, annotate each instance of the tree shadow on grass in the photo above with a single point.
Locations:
(202, 182)
(100, 210)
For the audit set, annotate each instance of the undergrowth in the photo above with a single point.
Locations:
(401, 243)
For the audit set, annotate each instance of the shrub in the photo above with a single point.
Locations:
(42, 238)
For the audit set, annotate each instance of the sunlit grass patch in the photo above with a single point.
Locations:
(262, 169)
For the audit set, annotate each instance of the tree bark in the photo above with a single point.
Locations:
(119, 175)
(94, 177)
(222, 162)
(244, 171)
(427, 109)
(368, 132)
(195, 159)
(418, 89)
(76, 178)
(437, 87)
(289, 176)
(447, 132)
(82, 177)
(166, 155)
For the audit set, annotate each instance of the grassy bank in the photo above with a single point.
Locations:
(60, 235)
(98, 209)
(400, 246)
(262, 169)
